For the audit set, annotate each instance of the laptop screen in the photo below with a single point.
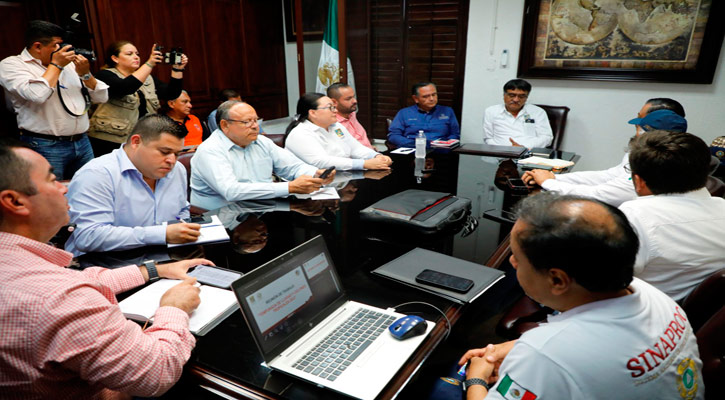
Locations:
(284, 298)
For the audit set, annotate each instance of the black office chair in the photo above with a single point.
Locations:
(557, 119)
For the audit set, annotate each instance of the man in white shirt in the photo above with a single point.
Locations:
(680, 226)
(237, 163)
(615, 336)
(50, 89)
(614, 185)
(514, 122)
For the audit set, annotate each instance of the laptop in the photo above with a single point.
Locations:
(295, 305)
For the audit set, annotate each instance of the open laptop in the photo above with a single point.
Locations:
(294, 304)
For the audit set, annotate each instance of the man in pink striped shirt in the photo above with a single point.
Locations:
(343, 97)
(63, 334)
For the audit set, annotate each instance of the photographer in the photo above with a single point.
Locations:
(132, 91)
(50, 89)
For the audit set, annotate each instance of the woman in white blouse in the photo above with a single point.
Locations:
(317, 139)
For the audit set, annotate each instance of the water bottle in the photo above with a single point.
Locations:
(420, 145)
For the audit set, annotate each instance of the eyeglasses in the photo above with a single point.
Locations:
(515, 95)
(328, 107)
(245, 123)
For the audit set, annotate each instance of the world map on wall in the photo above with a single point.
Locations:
(658, 30)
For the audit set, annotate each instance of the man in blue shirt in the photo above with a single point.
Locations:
(438, 122)
(124, 199)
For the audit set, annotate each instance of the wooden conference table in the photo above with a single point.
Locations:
(227, 361)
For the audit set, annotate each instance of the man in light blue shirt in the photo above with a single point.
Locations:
(236, 163)
(437, 121)
(124, 199)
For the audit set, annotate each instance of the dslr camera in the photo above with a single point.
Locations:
(171, 57)
(89, 54)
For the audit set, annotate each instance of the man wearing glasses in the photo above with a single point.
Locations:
(436, 121)
(515, 123)
(237, 163)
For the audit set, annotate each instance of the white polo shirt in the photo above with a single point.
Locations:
(529, 128)
(324, 148)
(682, 239)
(639, 346)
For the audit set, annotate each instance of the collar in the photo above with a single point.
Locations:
(425, 112)
(45, 251)
(27, 57)
(608, 308)
(227, 143)
(314, 127)
(701, 193)
(340, 118)
(127, 165)
(521, 113)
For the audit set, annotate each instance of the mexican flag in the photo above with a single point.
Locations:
(328, 70)
(509, 389)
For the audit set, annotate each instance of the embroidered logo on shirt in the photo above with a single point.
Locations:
(687, 384)
(528, 119)
(509, 389)
(339, 133)
(443, 116)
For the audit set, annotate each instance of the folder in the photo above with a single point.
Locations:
(405, 268)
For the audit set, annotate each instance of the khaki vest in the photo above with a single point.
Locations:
(114, 120)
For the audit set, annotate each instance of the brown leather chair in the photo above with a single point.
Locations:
(715, 186)
(525, 314)
(277, 138)
(705, 300)
(711, 343)
(557, 119)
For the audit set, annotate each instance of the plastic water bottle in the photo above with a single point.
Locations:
(420, 145)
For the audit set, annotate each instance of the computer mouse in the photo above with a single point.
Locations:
(407, 327)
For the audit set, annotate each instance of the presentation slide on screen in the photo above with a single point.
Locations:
(274, 302)
(315, 265)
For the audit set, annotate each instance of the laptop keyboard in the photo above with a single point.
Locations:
(329, 358)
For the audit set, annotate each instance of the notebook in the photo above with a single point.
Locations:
(216, 304)
(491, 150)
(212, 232)
(405, 268)
(296, 301)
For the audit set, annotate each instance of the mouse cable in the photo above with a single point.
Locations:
(450, 326)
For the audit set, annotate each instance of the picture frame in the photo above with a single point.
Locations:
(553, 46)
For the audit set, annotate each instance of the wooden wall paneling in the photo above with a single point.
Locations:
(358, 50)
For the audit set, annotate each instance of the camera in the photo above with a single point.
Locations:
(171, 57)
(89, 54)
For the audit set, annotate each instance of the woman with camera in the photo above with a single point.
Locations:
(132, 93)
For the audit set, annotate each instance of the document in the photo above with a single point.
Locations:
(547, 162)
(325, 193)
(402, 150)
(210, 233)
(216, 304)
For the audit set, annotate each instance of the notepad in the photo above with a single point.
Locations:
(548, 162)
(402, 150)
(216, 304)
(212, 232)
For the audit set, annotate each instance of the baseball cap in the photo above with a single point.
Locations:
(666, 120)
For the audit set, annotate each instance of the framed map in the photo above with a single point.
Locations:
(622, 40)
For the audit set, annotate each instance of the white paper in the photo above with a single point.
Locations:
(211, 232)
(549, 162)
(402, 150)
(325, 193)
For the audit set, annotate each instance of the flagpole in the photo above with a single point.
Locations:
(300, 47)
(342, 40)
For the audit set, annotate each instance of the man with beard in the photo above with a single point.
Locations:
(344, 99)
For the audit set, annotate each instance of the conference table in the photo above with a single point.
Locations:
(226, 361)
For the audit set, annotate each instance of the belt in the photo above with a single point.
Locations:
(71, 138)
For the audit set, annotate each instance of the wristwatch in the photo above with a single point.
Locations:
(474, 381)
(86, 77)
(151, 269)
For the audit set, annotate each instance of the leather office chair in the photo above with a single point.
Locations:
(277, 138)
(711, 343)
(705, 300)
(715, 186)
(389, 144)
(557, 119)
(185, 160)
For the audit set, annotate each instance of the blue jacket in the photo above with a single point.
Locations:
(438, 123)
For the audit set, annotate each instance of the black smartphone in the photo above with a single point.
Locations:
(445, 281)
(218, 277)
(199, 219)
(517, 185)
(327, 172)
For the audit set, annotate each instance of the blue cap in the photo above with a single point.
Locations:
(666, 120)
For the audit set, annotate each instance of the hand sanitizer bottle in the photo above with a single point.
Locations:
(420, 142)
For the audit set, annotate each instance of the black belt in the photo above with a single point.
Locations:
(71, 138)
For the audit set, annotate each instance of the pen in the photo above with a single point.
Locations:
(181, 219)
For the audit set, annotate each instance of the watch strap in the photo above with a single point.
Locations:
(151, 270)
(474, 381)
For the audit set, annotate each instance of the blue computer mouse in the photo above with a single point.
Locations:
(407, 327)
